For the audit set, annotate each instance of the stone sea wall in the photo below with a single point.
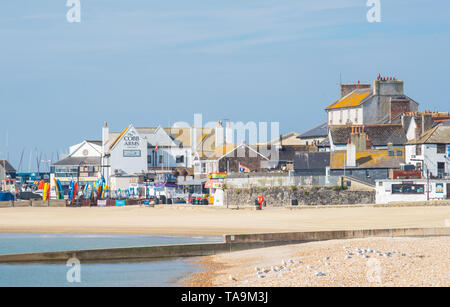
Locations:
(310, 196)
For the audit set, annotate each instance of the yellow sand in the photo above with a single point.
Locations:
(202, 221)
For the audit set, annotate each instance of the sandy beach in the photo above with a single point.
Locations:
(204, 221)
(386, 262)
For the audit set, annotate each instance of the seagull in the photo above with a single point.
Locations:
(232, 278)
(261, 276)
(257, 269)
(347, 257)
(403, 254)
(326, 263)
(309, 266)
(320, 274)
(326, 258)
(283, 262)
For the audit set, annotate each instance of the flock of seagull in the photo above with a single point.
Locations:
(286, 266)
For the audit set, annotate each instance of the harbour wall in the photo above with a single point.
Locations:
(230, 243)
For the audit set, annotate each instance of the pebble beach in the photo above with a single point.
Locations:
(370, 262)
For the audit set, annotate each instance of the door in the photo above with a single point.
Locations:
(448, 190)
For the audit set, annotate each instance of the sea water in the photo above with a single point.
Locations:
(130, 274)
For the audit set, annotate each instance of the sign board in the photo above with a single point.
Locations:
(218, 175)
(101, 203)
(439, 187)
(120, 203)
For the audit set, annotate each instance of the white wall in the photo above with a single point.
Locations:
(130, 165)
(429, 158)
(341, 116)
(384, 191)
(169, 157)
(86, 150)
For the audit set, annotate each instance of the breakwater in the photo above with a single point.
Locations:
(229, 244)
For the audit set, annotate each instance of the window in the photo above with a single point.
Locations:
(418, 166)
(391, 153)
(408, 189)
(161, 159)
(203, 168)
(418, 150)
(440, 148)
(441, 169)
(180, 159)
(399, 153)
(149, 159)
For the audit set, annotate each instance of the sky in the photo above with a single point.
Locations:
(153, 63)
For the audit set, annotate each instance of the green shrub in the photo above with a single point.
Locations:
(293, 187)
(305, 192)
(237, 191)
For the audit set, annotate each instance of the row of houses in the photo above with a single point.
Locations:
(372, 132)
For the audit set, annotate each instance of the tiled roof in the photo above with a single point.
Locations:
(379, 135)
(437, 135)
(369, 159)
(354, 99)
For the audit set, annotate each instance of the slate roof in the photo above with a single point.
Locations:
(8, 166)
(311, 160)
(379, 135)
(72, 161)
(440, 134)
(319, 131)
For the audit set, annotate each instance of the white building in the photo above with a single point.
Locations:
(83, 163)
(359, 104)
(401, 190)
(431, 152)
(140, 150)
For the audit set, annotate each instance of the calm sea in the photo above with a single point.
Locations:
(134, 274)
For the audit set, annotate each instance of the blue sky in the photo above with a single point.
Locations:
(157, 62)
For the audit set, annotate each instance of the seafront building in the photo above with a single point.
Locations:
(372, 133)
